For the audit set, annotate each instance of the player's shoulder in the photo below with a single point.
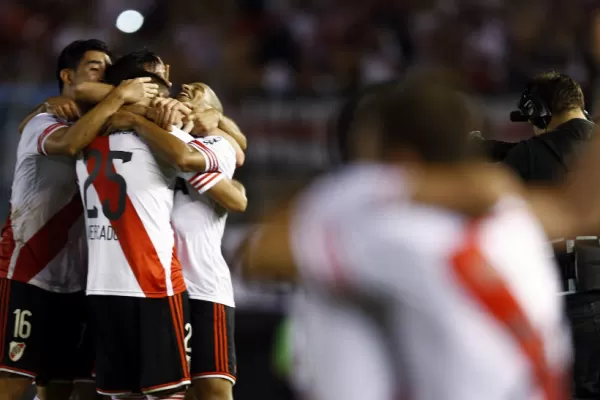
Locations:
(354, 187)
(219, 143)
(125, 139)
(42, 122)
(223, 150)
(416, 228)
(513, 215)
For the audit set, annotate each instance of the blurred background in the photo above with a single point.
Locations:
(280, 67)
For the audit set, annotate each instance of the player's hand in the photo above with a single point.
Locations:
(204, 121)
(136, 90)
(171, 104)
(121, 121)
(169, 112)
(63, 107)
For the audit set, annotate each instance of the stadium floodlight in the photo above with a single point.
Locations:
(130, 21)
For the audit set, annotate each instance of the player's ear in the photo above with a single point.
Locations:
(66, 77)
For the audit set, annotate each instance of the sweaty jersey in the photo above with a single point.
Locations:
(409, 301)
(128, 199)
(199, 224)
(43, 240)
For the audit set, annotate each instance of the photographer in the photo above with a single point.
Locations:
(553, 103)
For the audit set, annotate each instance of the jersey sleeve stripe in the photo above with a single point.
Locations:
(47, 132)
(210, 152)
(207, 157)
(206, 181)
(201, 177)
(207, 149)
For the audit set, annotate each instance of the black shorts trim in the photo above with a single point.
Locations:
(213, 345)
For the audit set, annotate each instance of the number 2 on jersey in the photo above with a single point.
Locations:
(111, 175)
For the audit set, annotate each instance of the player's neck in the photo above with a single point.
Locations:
(565, 117)
(69, 92)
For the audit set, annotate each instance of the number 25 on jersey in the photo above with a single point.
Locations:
(103, 175)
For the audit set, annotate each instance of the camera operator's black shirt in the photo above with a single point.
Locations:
(547, 157)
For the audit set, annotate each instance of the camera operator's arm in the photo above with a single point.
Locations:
(518, 160)
(495, 150)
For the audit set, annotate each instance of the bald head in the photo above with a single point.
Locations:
(200, 95)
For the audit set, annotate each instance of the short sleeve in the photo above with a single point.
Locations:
(38, 130)
(220, 157)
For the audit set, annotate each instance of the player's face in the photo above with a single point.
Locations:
(191, 93)
(91, 67)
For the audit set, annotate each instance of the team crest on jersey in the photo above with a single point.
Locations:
(16, 350)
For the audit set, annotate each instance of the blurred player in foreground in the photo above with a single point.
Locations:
(412, 298)
(43, 255)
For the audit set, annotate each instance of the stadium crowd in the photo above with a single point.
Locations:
(319, 46)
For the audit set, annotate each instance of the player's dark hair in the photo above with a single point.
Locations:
(142, 58)
(71, 56)
(559, 92)
(131, 66)
(424, 113)
(346, 116)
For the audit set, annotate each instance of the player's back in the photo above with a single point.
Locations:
(199, 224)
(455, 309)
(128, 198)
(44, 241)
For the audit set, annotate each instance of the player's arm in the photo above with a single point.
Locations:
(208, 121)
(573, 208)
(92, 92)
(38, 110)
(230, 194)
(95, 92)
(266, 252)
(167, 146)
(70, 140)
(63, 107)
(228, 126)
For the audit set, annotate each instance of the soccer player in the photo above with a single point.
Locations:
(135, 284)
(197, 106)
(199, 222)
(43, 257)
(443, 305)
(199, 226)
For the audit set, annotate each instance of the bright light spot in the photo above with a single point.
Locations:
(130, 21)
